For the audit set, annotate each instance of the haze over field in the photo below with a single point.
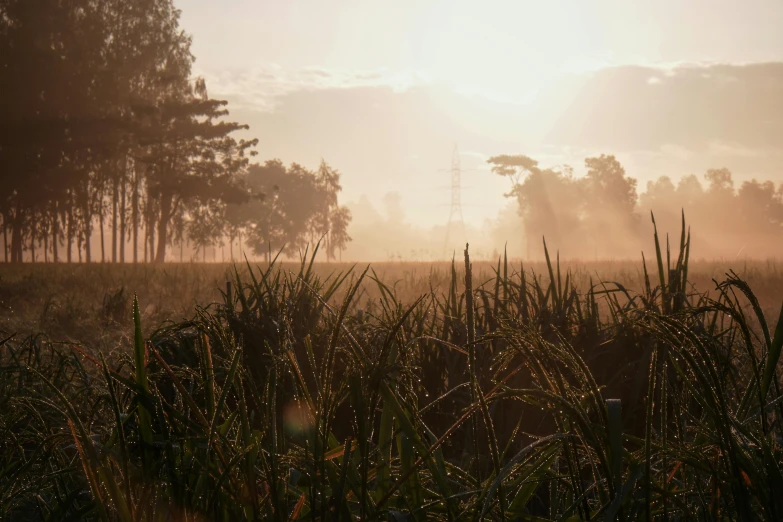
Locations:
(384, 91)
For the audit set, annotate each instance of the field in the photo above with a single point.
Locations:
(298, 391)
(90, 304)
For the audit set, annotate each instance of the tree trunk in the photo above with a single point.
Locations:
(16, 243)
(55, 233)
(151, 239)
(102, 222)
(32, 244)
(163, 225)
(16, 236)
(146, 242)
(5, 239)
(114, 203)
(87, 243)
(88, 228)
(16, 240)
(122, 211)
(135, 214)
(46, 246)
(69, 234)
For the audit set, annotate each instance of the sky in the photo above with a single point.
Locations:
(384, 90)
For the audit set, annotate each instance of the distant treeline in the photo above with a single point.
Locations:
(104, 132)
(601, 214)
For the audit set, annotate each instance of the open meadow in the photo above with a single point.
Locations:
(91, 304)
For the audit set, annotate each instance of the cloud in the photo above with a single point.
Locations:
(474, 154)
(734, 149)
(676, 151)
(692, 106)
(261, 89)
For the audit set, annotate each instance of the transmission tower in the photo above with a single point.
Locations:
(456, 223)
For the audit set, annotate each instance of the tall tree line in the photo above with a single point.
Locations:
(602, 215)
(102, 125)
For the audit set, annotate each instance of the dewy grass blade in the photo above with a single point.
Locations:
(773, 356)
(661, 275)
(142, 413)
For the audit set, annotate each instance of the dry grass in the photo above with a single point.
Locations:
(91, 303)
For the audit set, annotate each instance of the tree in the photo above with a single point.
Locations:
(149, 60)
(191, 158)
(660, 194)
(206, 226)
(46, 114)
(718, 197)
(299, 206)
(608, 187)
(609, 206)
(689, 190)
(330, 220)
(760, 208)
(278, 220)
(720, 181)
(549, 200)
(99, 115)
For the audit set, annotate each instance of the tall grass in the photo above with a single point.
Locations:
(518, 397)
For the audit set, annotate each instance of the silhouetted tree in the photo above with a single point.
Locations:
(609, 204)
(760, 207)
(100, 116)
(549, 200)
(339, 220)
(191, 159)
(597, 213)
(330, 220)
(299, 206)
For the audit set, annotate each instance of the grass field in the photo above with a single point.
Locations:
(91, 303)
(553, 391)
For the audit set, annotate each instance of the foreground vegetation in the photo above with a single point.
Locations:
(302, 396)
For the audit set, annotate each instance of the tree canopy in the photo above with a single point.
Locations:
(103, 129)
(600, 213)
(300, 206)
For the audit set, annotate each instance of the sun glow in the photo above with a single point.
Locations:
(506, 49)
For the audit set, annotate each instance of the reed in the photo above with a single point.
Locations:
(512, 395)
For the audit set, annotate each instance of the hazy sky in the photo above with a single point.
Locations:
(383, 89)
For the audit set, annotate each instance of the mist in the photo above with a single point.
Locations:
(182, 153)
(598, 216)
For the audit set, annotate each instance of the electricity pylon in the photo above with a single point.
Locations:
(456, 224)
